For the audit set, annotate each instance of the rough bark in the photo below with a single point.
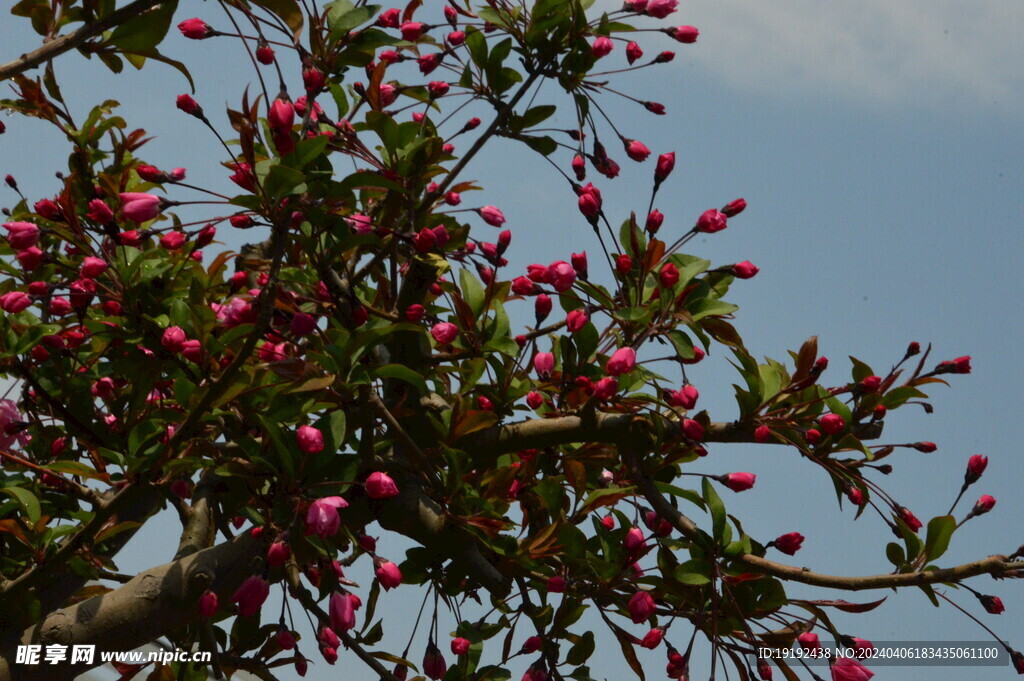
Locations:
(158, 601)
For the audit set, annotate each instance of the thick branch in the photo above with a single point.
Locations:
(75, 39)
(156, 602)
(600, 427)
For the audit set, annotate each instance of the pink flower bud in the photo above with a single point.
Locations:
(606, 389)
(139, 207)
(434, 665)
(734, 208)
(580, 170)
(456, 38)
(576, 320)
(711, 221)
(623, 264)
(313, 80)
(388, 575)
(790, 543)
(762, 433)
(809, 641)
(544, 363)
(926, 447)
(16, 301)
(739, 482)
(460, 646)
(265, 54)
(542, 307)
(492, 216)
(641, 606)
(622, 361)
(380, 486)
(173, 338)
(281, 115)
(666, 163)
(192, 350)
(871, 384)
(534, 643)
(669, 275)
(251, 595)
(832, 424)
(322, 517)
(278, 554)
(684, 34)
(744, 270)
(633, 52)
(652, 639)
(309, 439)
(444, 332)
(637, 150)
(208, 603)
(985, 504)
(601, 47)
(412, 30)
(975, 467)
(195, 29)
(659, 9)
(561, 275)
(993, 604)
(389, 18)
(189, 106)
(342, 612)
(579, 264)
(904, 514)
(21, 235)
(654, 221)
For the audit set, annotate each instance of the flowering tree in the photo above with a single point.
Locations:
(357, 371)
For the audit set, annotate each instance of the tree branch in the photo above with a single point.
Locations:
(993, 565)
(76, 38)
(602, 427)
(154, 603)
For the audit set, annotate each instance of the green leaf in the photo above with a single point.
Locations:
(581, 650)
(716, 507)
(343, 16)
(287, 10)
(282, 180)
(332, 425)
(29, 502)
(940, 531)
(894, 552)
(536, 115)
(402, 373)
(145, 31)
(472, 291)
(542, 145)
(693, 572)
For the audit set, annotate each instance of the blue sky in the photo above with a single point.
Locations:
(878, 145)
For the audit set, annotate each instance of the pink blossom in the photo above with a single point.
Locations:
(388, 575)
(21, 235)
(309, 439)
(195, 28)
(544, 363)
(444, 332)
(602, 46)
(251, 595)
(659, 9)
(140, 207)
(492, 216)
(380, 486)
(738, 482)
(561, 275)
(641, 606)
(342, 612)
(621, 362)
(849, 669)
(322, 518)
(173, 338)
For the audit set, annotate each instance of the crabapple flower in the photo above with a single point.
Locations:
(322, 518)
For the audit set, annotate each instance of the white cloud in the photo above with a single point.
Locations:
(876, 52)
